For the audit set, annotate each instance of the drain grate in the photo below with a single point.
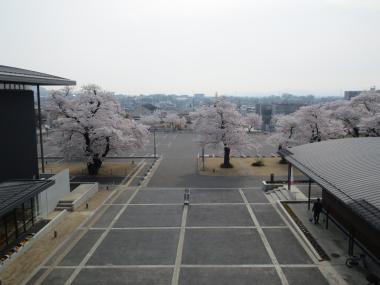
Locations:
(307, 234)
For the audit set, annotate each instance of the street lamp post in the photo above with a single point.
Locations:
(154, 142)
(203, 158)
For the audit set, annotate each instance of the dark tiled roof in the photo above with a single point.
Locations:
(348, 168)
(23, 76)
(15, 192)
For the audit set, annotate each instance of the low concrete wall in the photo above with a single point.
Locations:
(92, 189)
(48, 199)
(48, 227)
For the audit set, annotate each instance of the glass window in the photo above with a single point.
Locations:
(10, 224)
(3, 237)
(28, 211)
(20, 219)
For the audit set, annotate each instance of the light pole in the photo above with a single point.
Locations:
(40, 128)
(154, 142)
(203, 158)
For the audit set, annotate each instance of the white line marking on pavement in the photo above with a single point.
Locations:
(103, 236)
(178, 259)
(193, 227)
(298, 234)
(186, 266)
(265, 241)
(70, 242)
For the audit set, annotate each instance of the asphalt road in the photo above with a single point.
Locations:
(178, 167)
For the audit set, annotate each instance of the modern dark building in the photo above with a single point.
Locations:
(350, 94)
(348, 171)
(18, 209)
(20, 181)
(268, 111)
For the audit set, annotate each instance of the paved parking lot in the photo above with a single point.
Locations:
(229, 234)
(147, 236)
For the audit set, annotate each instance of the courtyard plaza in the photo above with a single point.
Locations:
(230, 233)
(147, 236)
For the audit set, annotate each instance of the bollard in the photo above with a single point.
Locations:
(186, 196)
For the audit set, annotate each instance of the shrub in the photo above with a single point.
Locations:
(283, 160)
(258, 162)
(226, 166)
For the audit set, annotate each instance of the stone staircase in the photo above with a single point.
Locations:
(64, 205)
(77, 197)
(283, 194)
(280, 194)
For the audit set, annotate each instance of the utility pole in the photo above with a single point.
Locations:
(203, 158)
(154, 142)
(40, 128)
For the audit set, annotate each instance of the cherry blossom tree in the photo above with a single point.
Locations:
(309, 124)
(253, 121)
(368, 105)
(221, 125)
(91, 125)
(343, 111)
(286, 127)
(174, 121)
(316, 124)
(151, 120)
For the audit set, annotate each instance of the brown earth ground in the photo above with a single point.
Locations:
(243, 167)
(80, 168)
(22, 267)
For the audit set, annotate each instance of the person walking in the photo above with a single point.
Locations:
(317, 209)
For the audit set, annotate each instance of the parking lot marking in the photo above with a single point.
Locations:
(71, 243)
(103, 236)
(184, 266)
(181, 240)
(187, 227)
(265, 241)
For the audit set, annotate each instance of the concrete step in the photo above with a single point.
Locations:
(286, 194)
(65, 203)
(280, 196)
(59, 208)
(273, 197)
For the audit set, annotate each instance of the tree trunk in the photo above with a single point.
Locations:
(356, 132)
(94, 166)
(226, 162)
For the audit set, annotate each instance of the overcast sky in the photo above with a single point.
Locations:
(233, 47)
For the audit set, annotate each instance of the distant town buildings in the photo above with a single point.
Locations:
(350, 94)
(267, 106)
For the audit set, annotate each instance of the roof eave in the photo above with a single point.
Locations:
(31, 80)
(28, 196)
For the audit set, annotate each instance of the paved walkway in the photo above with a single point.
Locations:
(335, 244)
(147, 236)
